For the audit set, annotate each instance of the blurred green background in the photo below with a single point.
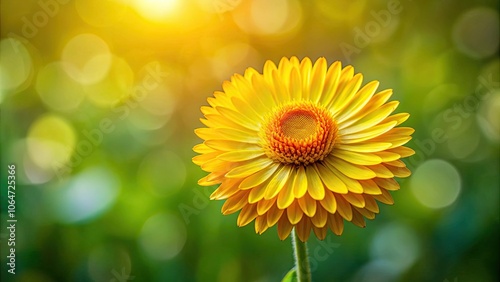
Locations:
(99, 100)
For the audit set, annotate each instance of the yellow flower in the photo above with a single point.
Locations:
(302, 145)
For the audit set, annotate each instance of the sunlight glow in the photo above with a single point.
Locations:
(156, 10)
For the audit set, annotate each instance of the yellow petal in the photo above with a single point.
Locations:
(265, 91)
(381, 171)
(285, 197)
(202, 149)
(264, 205)
(365, 147)
(277, 182)
(201, 159)
(216, 165)
(314, 185)
(336, 223)
(397, 163)
(227, 145)
(228, 188)
(366, 213)
(300, 182)
(240, 155)
(399, 118)
(303, 229)
(249, 168)
(295, 87)
(349, 136)
(351, 170)
(351, 184)
(284, 227)
(318, 74)
(385, 198)
(261, 224)
(358, 219)
(402, 151)
(370, 187)
(235, 203)
(373, 105)
(400, 172)
(358, 158)
(362, 98)
(308, 205)
(331, 180)
(329, 203)
(371, 204)
(279, 88)
(294, 213)
(320, 232)
(373, 118)
(331, 83)
(237, 117)
(247, 214)
(257, 193)
(259, 177)
(355, 200)
(212, 179)
(273, 215)
(305, 73)
(388, 156)
(344, 208)
(320, 218)
(387, 183)
(347, 93)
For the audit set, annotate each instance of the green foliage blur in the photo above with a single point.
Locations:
(99, 100)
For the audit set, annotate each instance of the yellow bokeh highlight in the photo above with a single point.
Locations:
(436, 184)
(87, 58)
(50, 141)
(156, 10)
(259, 17)
(57, 89)
(116, 85)
(16, 66)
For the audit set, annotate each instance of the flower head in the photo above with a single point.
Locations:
(302, 145)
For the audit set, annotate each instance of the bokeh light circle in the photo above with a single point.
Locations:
(268, 18)
(397, 245)
(436, 184)
(476, 32)
(115, 87)
(50, 140)
(57, 89)
(16, 65)
(87, 58)
(84, 197)
(163, 236)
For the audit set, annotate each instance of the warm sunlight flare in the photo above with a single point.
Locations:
(156, 10)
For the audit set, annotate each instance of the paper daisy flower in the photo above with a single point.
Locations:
(302, 145)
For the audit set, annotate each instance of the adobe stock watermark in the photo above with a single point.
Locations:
(363, 36)
(122, 276)
(222, 6)
(94, 137)
(453, 118)
(39, 19)
(322, 252)
(199, 202)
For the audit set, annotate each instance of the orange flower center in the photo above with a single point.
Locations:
(300, 133)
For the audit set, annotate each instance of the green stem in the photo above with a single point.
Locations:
(302, 267)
